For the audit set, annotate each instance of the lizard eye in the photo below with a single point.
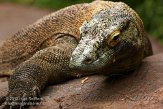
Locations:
(113, 38)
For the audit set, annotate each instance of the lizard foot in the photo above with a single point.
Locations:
(19, 99)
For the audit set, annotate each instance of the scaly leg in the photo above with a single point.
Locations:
(50, 65)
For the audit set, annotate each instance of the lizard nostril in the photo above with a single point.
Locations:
(88, 61)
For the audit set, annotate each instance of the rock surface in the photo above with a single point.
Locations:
(141, 89)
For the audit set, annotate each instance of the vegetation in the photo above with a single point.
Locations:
(151, 11)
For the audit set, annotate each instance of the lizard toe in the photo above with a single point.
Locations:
(19, 99)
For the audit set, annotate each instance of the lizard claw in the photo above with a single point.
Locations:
(20, 99)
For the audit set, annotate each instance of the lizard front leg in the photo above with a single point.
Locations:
(50, 65)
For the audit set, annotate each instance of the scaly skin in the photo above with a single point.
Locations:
(110, 41)
(114, 38)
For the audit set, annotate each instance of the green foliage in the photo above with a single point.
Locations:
(56, 4)
(19, 1)
(151, 11)
(52, 4)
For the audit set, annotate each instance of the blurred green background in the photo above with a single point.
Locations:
(151, 11)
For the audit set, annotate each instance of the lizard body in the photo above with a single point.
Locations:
(79, 40)
(37, 36)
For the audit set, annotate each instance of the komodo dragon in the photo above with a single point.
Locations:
(101, 37)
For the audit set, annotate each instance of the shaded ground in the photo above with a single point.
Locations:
(98, 92)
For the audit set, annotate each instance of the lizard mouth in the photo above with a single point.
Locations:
(90, 65)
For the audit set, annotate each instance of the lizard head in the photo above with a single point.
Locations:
(111, 38)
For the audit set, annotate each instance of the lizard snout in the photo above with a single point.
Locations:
(82, 61)
(84, 56)
(79, 63)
